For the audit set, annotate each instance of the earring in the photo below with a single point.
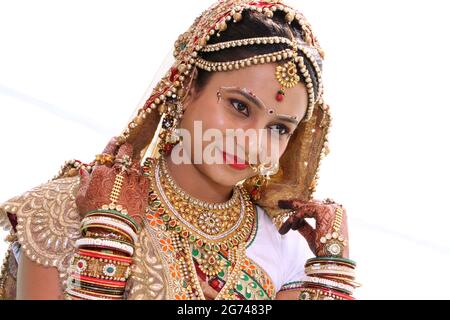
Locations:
(267, 171)
(262, 178)
(169, 136)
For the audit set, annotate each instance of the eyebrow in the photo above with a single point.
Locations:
(255, 100)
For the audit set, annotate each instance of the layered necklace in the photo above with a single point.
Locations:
(211, 235)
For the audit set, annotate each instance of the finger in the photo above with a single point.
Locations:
(125, 150)
(111, 147)
(292, 222)
(291, 204)
(286, 225)
(298, 222)
(297, 204)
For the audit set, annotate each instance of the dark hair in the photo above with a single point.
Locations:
(253, 25)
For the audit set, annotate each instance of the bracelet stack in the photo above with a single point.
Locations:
(102, 263)
(328, 278)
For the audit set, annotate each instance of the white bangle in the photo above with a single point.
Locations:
(111, 244)
(330, 271)
(83, 296)
(318, 266)
(113, 223)
(329, 283)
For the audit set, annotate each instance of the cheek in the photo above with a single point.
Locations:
(208, 111)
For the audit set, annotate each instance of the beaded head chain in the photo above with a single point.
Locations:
(300, 163)
(189, 46)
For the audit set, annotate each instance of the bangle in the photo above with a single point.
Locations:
(332, 260)
(343, 279)
(115, 214)
(127, 242)
(90, 296)
(102, 290)
(108, 256)
(325, 287)
(103, 243)
(108, 234)
(77, 294)
(76, 280)
(94, 293)
(350, 274)
(97, 268)
(327, 266)
(291, 286)
(102, 282)
(110, 222)
(104, 227)
(331, 283)
(319, 294)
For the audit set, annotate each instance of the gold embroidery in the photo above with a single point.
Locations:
(147, 279)
(48, 226)
(47, 223)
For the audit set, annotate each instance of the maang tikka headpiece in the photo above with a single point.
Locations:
(173, 87)
(300, 163)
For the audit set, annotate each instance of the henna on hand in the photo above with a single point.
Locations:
(95, 188)
(323, 213)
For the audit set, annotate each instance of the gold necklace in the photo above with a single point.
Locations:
(195, 242)
(177, 214)
(198, 203)
(212, 221)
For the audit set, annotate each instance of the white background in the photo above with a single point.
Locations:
(71, 73)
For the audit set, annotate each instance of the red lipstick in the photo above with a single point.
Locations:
(234, 162)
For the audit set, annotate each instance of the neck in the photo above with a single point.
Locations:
(196, 184)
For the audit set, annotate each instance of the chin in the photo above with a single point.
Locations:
(225, 175)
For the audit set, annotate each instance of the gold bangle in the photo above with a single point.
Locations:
(100, 269)
(317, 294)
(129, 241)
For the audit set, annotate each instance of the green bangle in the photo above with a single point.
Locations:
(336, 259)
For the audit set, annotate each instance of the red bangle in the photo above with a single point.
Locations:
(94, 254)
(101, 281)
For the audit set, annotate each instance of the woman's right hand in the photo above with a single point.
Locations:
(95, 188)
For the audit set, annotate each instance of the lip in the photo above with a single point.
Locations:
(236, 164)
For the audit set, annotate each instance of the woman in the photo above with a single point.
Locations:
(177, 225)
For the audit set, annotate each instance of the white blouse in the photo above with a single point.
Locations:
(282, 257)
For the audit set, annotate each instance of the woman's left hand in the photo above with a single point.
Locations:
(331, 232)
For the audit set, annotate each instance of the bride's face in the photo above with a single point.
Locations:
(243, 100)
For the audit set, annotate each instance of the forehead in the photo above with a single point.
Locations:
(261, 80)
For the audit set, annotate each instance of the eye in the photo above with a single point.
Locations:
(281, 128)
(240, 106)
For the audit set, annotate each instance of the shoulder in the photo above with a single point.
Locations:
(45, 222)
